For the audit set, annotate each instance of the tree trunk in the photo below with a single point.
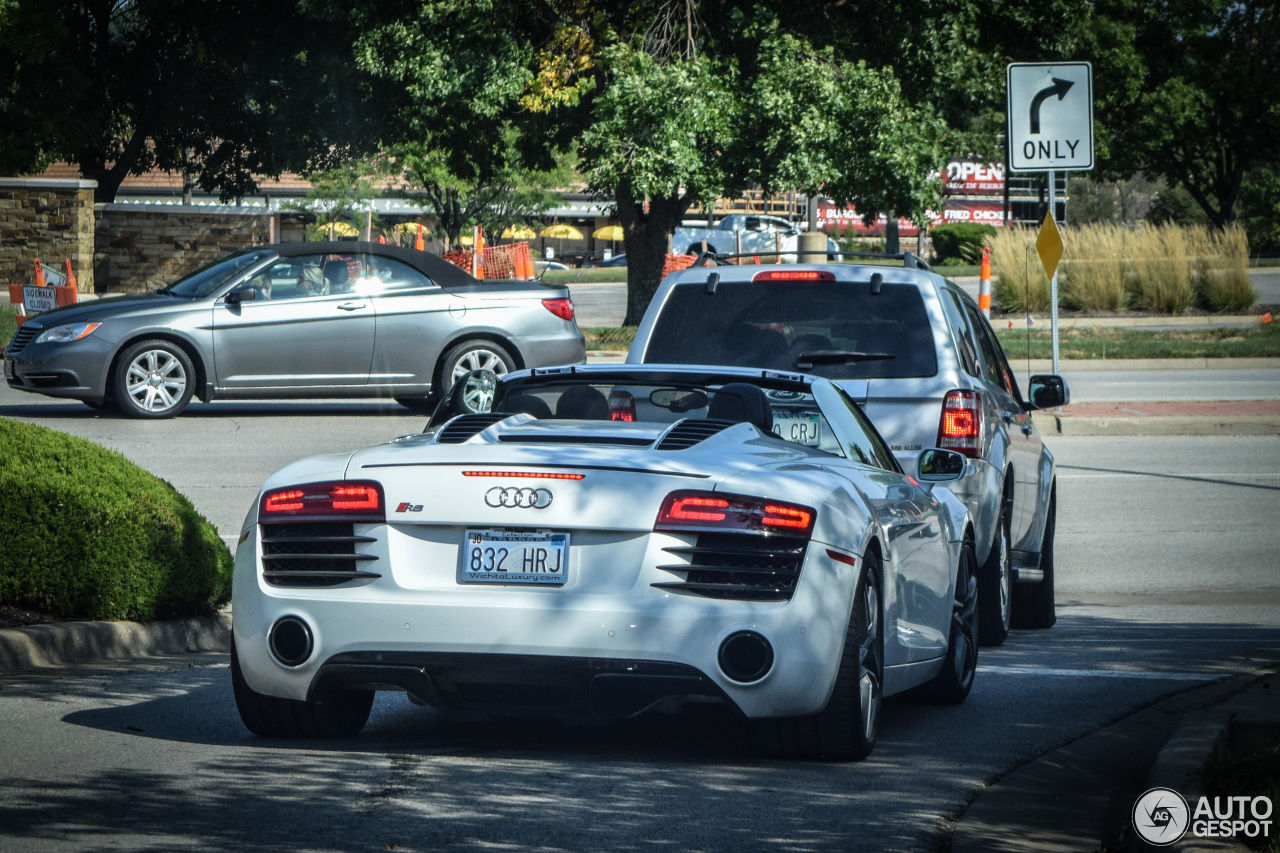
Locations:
(646, 238)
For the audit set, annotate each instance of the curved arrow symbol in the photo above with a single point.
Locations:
(1060, 88)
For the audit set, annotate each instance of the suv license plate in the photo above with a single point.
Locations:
(536, 557)
(798, 427)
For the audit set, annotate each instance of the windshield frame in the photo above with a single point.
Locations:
(208, 280)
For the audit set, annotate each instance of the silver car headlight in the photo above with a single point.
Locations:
(66, 334)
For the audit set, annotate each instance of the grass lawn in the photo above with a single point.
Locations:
(8, 323)
(1262, 341)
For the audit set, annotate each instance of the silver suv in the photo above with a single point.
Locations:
(912, 348)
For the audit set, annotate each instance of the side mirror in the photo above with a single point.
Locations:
(940, 466)
(241, 293)
(1048, 390)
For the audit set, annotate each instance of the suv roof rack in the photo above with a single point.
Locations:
(909, 260)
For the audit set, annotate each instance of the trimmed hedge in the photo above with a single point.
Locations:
(962, 240)
(86, 534)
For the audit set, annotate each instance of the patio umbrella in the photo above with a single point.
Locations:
(612, 233)
(560, 231)
(341, 229)
(519, 232)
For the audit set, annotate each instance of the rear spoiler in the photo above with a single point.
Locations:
(909, 261)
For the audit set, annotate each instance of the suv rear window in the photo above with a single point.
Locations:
(773, 324)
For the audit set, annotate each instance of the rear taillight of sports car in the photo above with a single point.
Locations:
(747, 548)
(696, 510)
(308, 532)
(357, 500)
(562, 308)
(961, 426)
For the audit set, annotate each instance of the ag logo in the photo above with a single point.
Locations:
(513, 498)
(1161, 816)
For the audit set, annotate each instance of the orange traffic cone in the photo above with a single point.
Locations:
(39, 274)
(71, 277)
(420, 244)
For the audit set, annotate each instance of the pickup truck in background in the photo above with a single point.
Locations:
(761, 235)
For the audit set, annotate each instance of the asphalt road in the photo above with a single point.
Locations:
(1167, 580)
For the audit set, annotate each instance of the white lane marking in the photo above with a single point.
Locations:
(1236, 475)
(1102, 673)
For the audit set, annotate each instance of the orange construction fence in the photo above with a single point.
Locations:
(513, 261)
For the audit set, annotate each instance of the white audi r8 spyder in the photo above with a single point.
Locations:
(593, 542)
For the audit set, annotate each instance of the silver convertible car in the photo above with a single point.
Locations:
(594, 542)
(294, 320)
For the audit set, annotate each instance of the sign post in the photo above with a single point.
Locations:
(1049, 113)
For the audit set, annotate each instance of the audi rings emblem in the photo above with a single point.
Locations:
(518, 498)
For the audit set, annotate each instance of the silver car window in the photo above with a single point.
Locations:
(209, 278)
(954, 307)
(388, 275)
(312, 276)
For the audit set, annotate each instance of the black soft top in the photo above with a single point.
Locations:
(432, 266)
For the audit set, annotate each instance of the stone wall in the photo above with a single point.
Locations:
(145, 247)
(47, 219)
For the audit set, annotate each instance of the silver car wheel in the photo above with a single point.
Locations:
(156, 381)
(868, 663)
(478, 359)
(995, 586)
(1006, 577)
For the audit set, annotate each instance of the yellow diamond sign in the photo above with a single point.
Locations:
(1049, 245)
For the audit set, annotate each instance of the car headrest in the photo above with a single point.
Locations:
(526, 404)
(336, 271)
(582, 402)
(741, 402)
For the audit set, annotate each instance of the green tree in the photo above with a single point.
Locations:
(343, 194)
(220, 89)
(492, 198)
(662, 98)
(1185, 91)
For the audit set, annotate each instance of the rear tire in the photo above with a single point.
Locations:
(474, 354)
(995, 584)
(341, 714)
(422, 405)
(1033, 604)
(845, 730)
(952, 684)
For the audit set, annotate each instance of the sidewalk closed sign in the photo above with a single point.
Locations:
(1050, 116)
(39, 299)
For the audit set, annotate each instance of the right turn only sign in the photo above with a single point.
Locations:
(1050, 116)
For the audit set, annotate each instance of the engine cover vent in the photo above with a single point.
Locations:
(689, 432)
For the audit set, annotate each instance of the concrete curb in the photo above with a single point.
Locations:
(1080, 797)
(65, 643)
(1205, 734)
(1050, 424)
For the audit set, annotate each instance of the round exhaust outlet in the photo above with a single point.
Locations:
(745, 657)
(290, 641)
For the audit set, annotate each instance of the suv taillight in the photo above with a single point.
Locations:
(351, 500)
(961, 426)
(697, 510)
